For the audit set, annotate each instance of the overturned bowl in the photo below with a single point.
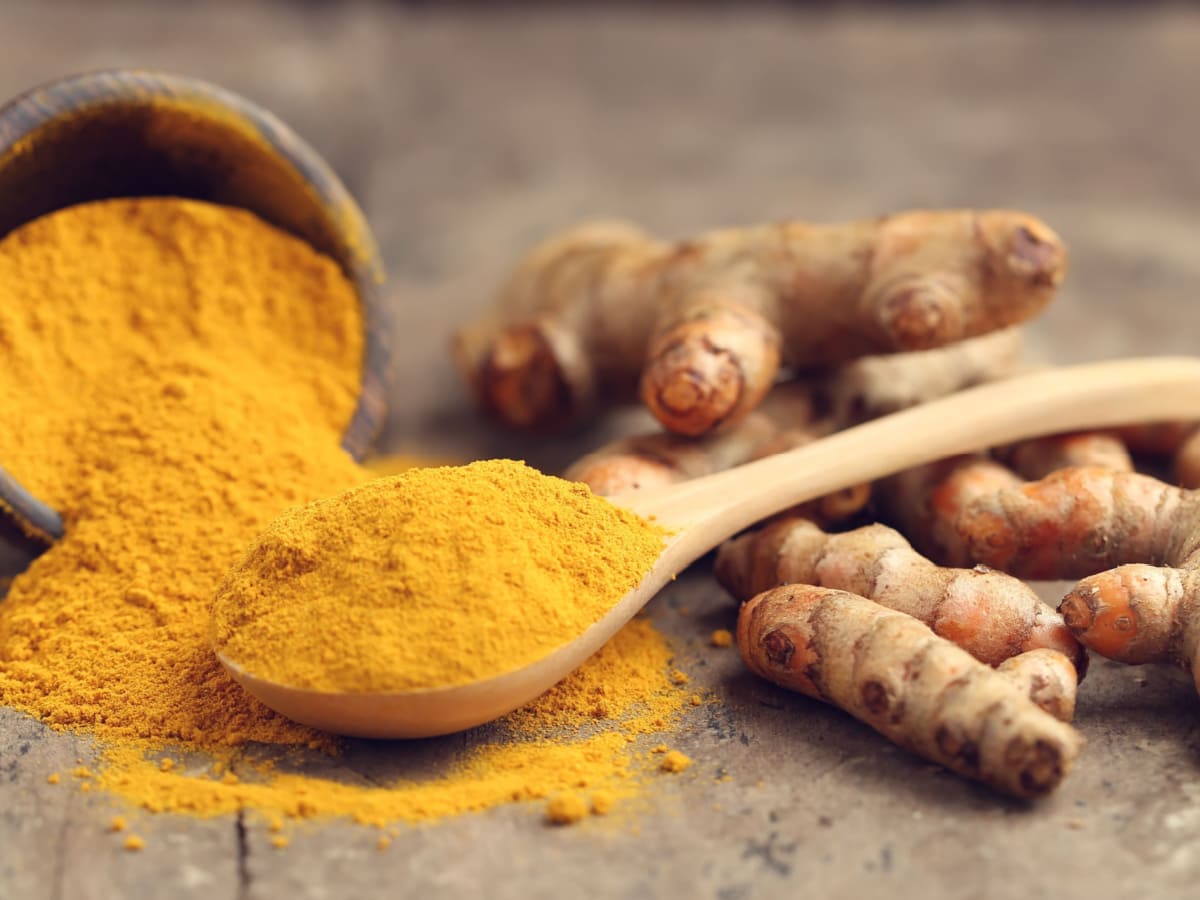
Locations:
(130, 133)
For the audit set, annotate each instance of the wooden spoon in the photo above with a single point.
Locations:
(709, 510)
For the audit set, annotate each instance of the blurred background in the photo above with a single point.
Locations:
(467, 132)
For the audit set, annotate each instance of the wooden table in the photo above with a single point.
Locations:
(468, 134)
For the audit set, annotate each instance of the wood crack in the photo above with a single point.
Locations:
(243, 856)
(60, 850)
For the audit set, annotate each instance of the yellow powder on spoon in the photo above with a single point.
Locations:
(435, 577)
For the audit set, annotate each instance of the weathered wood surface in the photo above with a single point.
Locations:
(469, 134)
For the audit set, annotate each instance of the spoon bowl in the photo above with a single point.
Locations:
(704, 512)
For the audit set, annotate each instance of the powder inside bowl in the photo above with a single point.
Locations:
(176, 374)
(435, 577)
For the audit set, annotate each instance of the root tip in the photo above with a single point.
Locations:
(522, 382)
(1038, 258)
(1076, 611)
(1042, 769)
(693, 390)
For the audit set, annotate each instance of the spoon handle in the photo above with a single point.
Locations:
(1094, 395)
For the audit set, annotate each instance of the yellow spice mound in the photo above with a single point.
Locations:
(176, 375)
(438, 576)
(180, 374)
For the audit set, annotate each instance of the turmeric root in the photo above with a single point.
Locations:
(1156, 438)
(1047, 677)
(836, 508)
(704, 325)
(926, 501)
(874, 386)
(891, 672)
(1138, 614)
(1187, 462)
(989, 614)
(569, 328)
(1178, 440)
(833, 508)
(1133, 540)
(648, 461)
(1077, 522)
(1038, 457)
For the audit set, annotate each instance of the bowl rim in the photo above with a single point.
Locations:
(35, 108)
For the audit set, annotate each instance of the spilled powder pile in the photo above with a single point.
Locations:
(180, 374)
(436, 577)
(576, 737)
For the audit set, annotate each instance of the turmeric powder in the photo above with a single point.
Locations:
(181, 374)
(566, 808)
(675, 761)
(157, 353)
(380, 589)
(533, 753)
